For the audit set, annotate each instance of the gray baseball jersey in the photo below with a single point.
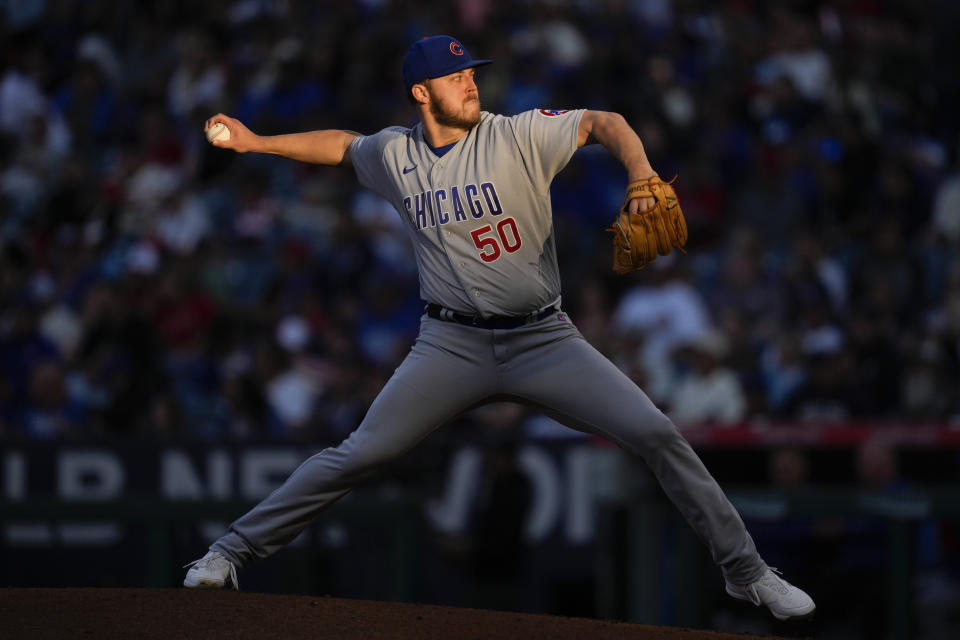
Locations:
(480, 220)
(479, 217)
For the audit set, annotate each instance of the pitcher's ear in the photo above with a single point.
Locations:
(419, 93)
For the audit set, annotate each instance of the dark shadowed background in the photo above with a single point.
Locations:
(180, 325)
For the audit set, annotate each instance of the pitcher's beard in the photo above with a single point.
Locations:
(454, 120)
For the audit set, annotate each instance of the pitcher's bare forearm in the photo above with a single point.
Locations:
(612, 132)
(327, 147)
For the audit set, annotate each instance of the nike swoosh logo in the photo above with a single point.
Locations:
(407, 170)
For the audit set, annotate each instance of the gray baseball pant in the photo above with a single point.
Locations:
(452, 367)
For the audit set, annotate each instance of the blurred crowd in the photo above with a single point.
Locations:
(153, 285)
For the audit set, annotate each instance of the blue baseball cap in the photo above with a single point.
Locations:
(434, 57)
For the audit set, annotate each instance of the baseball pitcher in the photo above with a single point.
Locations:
(473, 189)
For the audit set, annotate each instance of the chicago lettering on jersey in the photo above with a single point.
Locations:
(453, 204)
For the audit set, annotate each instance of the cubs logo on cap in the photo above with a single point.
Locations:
(436, 56)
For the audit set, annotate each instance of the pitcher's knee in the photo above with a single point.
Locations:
(657, 432)
(359, 462)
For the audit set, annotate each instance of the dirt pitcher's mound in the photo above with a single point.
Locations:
(170, 614)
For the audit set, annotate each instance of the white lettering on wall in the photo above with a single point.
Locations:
(89, 475)
(178, 479)
(561, 492)
(449, 513)
(86, 534)
(15, 476)
(545, 481)
(219, 475)
(181, 480)
(263, 471)
(580, 508)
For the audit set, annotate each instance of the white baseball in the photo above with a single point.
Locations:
(218, 131)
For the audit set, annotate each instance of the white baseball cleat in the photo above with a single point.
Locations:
(785, 601)
(210, 572)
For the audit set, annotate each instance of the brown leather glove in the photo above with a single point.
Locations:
(638, 238)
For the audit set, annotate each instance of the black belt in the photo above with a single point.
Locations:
(493, 322)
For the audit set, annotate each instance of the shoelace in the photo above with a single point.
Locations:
(751, 589)
(204, 563)
(784, 585)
